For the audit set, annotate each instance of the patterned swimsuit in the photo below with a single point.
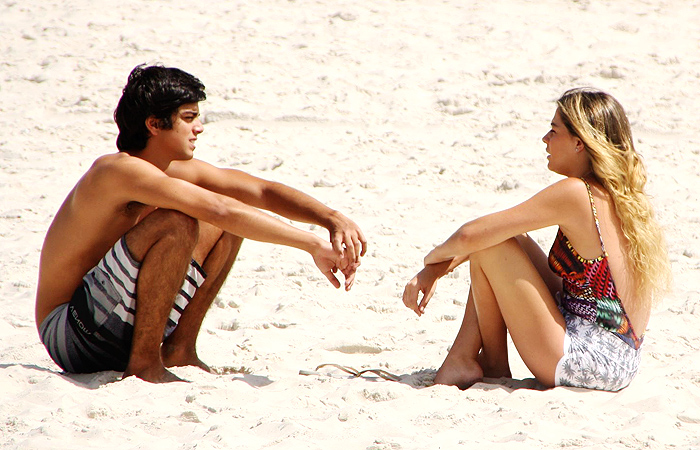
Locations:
(601, 349)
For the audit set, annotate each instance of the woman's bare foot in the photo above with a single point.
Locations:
(499, 369)
(462, 374)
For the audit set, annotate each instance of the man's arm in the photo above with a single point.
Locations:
(123, 179)
(345, 235)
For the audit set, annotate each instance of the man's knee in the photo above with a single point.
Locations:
(160, 225)
(178, 223)
(224, 244)
(233, 242)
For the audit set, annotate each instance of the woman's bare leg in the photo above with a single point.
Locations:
(461, 367)
(511, 286)
(540, 261)
(526, 305)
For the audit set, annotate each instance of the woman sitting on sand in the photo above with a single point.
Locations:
(577, 317)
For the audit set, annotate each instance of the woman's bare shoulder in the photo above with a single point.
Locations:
(568, 196)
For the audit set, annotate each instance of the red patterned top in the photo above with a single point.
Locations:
(588, 287)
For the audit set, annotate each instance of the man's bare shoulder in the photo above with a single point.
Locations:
(113, 181)
(190, 167)
(200, 172)
(119, 169)
(117, 162)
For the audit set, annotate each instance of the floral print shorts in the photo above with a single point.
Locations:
(595, 358)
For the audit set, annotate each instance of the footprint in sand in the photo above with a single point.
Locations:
(353, 349)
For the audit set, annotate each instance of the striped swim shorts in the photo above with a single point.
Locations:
(93, 331)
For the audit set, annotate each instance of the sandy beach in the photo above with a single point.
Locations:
(411, 117)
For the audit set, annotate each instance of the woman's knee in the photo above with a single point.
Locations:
(505, 247)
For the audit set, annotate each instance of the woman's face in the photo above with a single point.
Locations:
(566, 155)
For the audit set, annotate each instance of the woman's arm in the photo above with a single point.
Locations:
(562, 203)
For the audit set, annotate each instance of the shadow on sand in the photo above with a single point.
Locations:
(419, 379)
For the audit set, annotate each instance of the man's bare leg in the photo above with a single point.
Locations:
(216, 252)
(163, 242)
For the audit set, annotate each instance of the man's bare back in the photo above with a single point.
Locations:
(86, 226)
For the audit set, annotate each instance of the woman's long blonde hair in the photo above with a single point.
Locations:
(600, 122)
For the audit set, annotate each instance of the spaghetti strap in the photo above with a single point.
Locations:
(595, 216)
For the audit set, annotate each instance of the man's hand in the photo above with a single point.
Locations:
(348, 241)
(349, 274)
(327, 261)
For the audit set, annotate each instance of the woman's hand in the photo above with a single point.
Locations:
(425, 281)
(327, 261)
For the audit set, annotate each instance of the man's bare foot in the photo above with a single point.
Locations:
(459, 373)
(174, 357)
(153, 375)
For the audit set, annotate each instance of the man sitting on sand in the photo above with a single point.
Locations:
(142, 244)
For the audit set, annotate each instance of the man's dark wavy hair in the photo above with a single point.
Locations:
(152, 91)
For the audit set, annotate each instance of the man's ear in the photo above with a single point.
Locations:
(153, 125)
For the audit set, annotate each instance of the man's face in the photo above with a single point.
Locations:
(186, 127)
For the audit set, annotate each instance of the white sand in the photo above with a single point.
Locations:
(411, 117)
